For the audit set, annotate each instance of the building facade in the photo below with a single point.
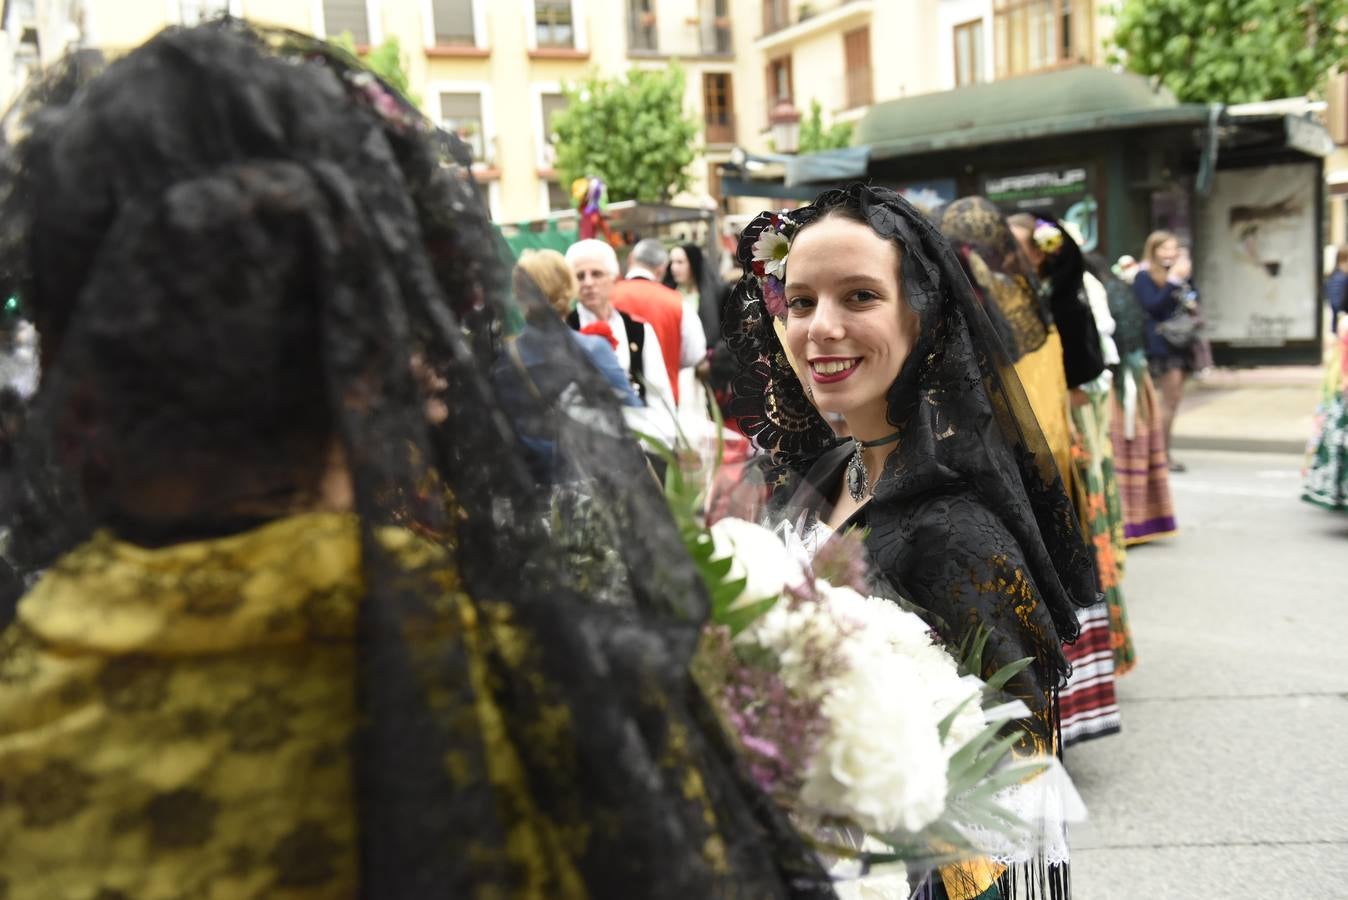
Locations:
(491, 70)
(850, 54)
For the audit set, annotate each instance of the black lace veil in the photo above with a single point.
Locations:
(998, 271)
(971, 484)
(251, 262)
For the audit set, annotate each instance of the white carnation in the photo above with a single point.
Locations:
(881, 765)
(758, 556)
(796, 633)
(881, 629)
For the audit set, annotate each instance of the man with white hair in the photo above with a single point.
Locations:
(643, 295)
(638, 348)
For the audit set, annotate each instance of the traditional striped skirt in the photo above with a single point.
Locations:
(1088, 707)
(1140, 460)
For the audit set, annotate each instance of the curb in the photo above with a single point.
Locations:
(1239, 443)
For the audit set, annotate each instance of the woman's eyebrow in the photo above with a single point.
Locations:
(845, 281)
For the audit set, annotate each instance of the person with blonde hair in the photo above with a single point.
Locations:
(1162, 288)
(548, 272)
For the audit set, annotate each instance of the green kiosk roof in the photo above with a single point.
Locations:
(1046, 104)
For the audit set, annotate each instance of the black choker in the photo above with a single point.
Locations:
(858, 479)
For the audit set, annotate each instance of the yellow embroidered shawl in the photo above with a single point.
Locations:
(176, 722)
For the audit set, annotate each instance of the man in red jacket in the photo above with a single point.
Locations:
(640, 294)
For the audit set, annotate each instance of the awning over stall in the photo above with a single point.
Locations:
(1046, 104)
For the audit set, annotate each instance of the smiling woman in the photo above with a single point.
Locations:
(959, 501)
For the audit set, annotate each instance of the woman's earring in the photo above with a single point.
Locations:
(809, 392)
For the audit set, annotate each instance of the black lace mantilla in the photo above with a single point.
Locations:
(998, 272)
(969, 519)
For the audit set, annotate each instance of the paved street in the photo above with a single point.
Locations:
(1229, 778)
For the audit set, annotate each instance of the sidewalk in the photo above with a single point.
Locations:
(1263, 410)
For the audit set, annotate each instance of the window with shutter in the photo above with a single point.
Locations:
(462, 115)
(641, 33)
(1038, 34)
(554, 26)
(559, 197)
(713, 23)
(552, 104)
(776, 15)
(779, 81)
(969, 53)
(453, 20)
(718, 107)
(347, 17)
(857, 60)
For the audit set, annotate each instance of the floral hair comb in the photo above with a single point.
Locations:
(769, 260)
(1048, 237)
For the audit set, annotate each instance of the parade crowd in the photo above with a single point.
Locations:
(338, 558)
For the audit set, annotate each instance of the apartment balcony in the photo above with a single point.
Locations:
(719, 129)
(811, 20)
(707, 34)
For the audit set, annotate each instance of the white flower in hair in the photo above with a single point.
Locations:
(770, 250)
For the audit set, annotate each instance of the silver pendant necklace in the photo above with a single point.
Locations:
(858, 479)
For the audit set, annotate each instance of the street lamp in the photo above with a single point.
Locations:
(785, 122)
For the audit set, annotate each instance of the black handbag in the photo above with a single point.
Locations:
(1180, 330)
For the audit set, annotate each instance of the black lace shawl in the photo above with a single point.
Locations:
(235, 239)
(969, 519)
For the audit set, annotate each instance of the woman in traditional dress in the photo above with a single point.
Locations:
(1137, 426)
(1326, 475)
(946, 475)
(1007, 282)
(1088, 706)
(238, 675)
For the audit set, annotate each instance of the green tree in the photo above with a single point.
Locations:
(1232, 51)
(630, 131)
(814, 137)
(386, 61)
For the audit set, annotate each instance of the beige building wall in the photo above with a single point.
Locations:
(504, 68)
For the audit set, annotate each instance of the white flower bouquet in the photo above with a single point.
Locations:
(849, 710)
(889, 755)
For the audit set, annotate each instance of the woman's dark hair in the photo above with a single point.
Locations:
(696, 266)
(709, 289)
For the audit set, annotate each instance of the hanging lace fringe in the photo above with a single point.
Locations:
(1032, 880)
(1036, 879)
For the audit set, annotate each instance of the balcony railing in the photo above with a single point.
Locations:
(720, 129)
(717, 38)
(776, 15)
(641, 32)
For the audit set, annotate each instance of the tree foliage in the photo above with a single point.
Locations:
(386, 61)
(631, 131)
(814, 137)
(1232, 51)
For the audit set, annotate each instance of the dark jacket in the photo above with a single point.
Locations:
(1159, 301)
(1336, 293)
